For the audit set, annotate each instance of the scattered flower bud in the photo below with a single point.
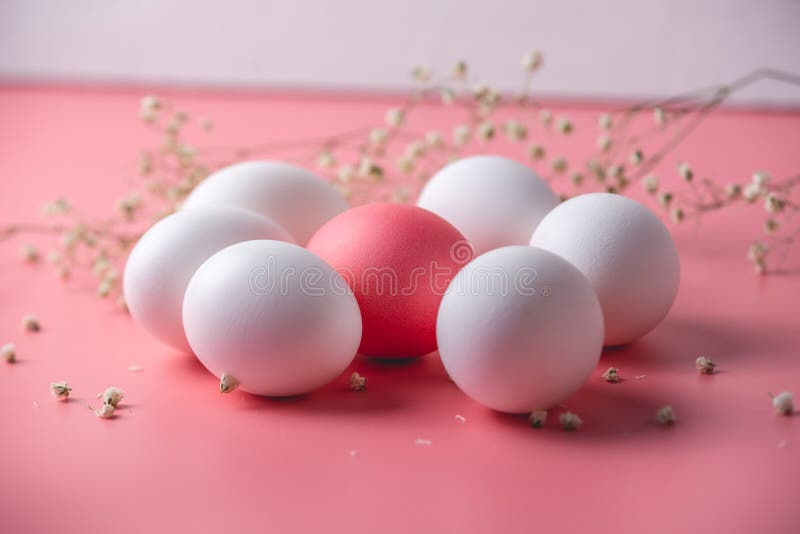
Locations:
(665, 415)
(227, 383)
(570, 421)
(677, 215)
(685, 172)
(733, 191)
(761, 178)
(604, 143)
(537, 418)
(576, 179)
(326, 160)
(448, 96)
(650, 184)
(705, 365)
(559, 165)
(9, 353)
(536, 151)
(515, 130)
(770, 225)
(564, 125)
(752, 192)
(783, 403)
(434, 139)
(486, 130)
(29, 253)
(636, 157)
(461, 135)
(664, 198)
(31, 323)
(358, 382)
(345, 173)
(773, 204)
(612, 375)
(395, 117)
(421, 74)
(60, 390)
(532, 61)
(378, 136)
(757, 251)
(460, 70)
(112, 396)
(604, 121)
(659, 116)
(545, 117)
(106, 411)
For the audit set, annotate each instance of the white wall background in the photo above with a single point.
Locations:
(593, 48)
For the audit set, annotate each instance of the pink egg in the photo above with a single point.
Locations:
(398, 259)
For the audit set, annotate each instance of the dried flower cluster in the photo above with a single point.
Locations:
(9, 352)
(612, 375)
(705, 365)
(227, 383)
(391, 161)
(60, 390)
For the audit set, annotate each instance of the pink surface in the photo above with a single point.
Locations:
(181, 457)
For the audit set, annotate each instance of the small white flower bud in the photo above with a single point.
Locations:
(761, 178)
(685, 172)
(326, 160)
(752, 192)
(659, 116)
(395, 117)
(705, 365)
(650, 184)
(60, 390)
(546, 117)
(537, 418)
(559, 165)
(106, 411)
(434, 139)
(564, 125)
(783, 403)
(570, 421)
(665, 416)
(486, 130)
(604, 143)
(29, 253)
(112, 395)
(31, 323)
(461, 135)
(9, 353)
(532, 61)
(604, 121)
(733, 190)
(611, 375)
(636, 157)
(677, 215)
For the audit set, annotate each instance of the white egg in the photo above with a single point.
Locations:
(165, 258)
(272, 315)
(296, 198)
(519, 329)
(493, 201)
(625, 251)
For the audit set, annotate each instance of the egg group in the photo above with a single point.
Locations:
(519, 329)
(625, 251)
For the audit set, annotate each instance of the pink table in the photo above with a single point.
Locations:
(180, 457)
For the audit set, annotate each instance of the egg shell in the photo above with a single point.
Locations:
(493, 201)
(625, 251)
(167, 255)
(272, 315)
(519, 329)
(297, 199)
(398, 259)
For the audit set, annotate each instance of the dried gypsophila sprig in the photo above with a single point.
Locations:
(357, 159)
(106, 411)
(705, 365)
(60, 390)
